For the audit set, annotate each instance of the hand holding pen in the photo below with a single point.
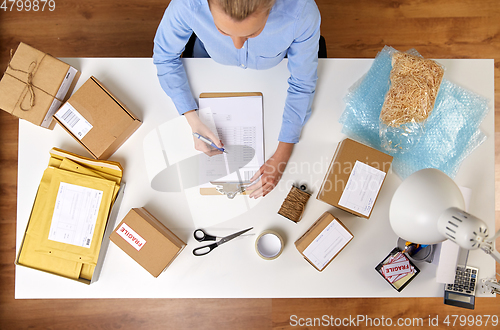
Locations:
(197, 127)
(207, 141)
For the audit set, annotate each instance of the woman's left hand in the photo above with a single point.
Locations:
(271, 171)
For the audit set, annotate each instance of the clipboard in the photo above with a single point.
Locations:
(232, 188)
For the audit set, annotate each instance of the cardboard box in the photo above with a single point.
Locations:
(97, 119)
(321, 243)
(147, 241)
(35, 85)
(354, 178)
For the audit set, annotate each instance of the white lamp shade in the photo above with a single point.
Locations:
(418, 203)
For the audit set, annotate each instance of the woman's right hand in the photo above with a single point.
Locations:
(198, 127)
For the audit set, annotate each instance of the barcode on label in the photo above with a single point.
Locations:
(70, 118)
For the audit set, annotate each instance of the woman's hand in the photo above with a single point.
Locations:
(198, 127)
(271, 171)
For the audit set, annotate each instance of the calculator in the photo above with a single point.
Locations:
(462, 293)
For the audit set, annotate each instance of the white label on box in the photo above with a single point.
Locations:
(327, 244)
(73, 120)
(48, 117)
(131, 237)
(75, 215)
(362, 188)
(66, 83)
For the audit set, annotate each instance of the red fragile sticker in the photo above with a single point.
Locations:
(397, 268)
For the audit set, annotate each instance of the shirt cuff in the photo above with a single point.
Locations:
(290, 133)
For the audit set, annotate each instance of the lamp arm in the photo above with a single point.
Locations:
(494, 238)
(489, 247)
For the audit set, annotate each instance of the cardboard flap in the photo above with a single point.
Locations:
(113, 97)
(160, 227)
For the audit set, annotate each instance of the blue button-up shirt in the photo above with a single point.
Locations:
(292, 29)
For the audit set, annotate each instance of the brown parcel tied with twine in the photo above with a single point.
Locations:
(35, 85)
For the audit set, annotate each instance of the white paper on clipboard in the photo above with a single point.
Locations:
(238, 120)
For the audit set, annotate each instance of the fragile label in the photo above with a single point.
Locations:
(131, 237)
(73, 120)
(397, 268)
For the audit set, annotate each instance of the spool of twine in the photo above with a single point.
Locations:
(294, 204)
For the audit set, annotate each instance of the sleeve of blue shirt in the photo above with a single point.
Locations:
(171, 37)
(302, 64)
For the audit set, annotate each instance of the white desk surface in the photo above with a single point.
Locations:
(235, 269)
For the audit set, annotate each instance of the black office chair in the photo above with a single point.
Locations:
(188, 51)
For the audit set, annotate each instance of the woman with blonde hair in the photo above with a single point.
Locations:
(250, 34)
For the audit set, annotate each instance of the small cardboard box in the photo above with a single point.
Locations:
(147, 241)
(354, 178)
(323, 241)
(35, 85)
(96, 119)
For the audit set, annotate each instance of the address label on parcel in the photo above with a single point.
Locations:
(362, 188)
(73, 120)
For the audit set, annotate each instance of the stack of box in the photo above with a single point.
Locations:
(67, 225)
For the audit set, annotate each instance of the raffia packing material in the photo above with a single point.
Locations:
(414, 86)
(97, 119)
(35, 85)
(452, 131)
(146, 240)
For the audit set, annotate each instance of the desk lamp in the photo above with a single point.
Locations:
(427, 208)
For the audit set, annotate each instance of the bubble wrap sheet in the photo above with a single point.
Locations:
(451, 131)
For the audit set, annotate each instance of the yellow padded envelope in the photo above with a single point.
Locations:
(73, 227)
(56, 255)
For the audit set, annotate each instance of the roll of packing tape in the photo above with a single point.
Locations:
(269, 245)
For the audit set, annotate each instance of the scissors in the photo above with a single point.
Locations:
(201, 236)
